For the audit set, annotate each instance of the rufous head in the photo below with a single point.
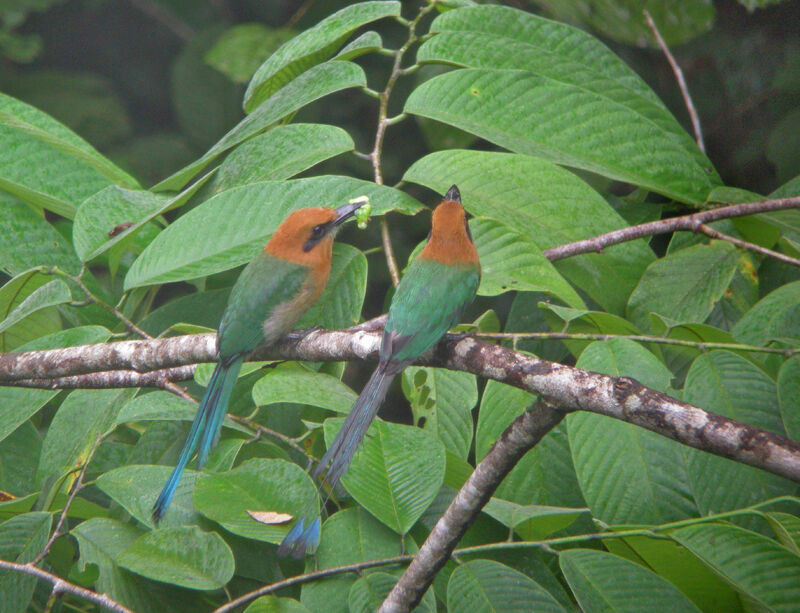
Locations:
(306, 235)
(450, 240)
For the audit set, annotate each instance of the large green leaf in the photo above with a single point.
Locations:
(541, 201)
(396, 473)
(311, 47)
(789, 396)
(727, 384)
(255, 485)
(233, 226)
(628, 474)
(604, 582)
(82, 416)
(19, 456)
(532, 522)
(100, 542)
(348, 537)
(299, 386)
(21, 540)
(775, 316)
(485, 586)
(136, 487)
(442, 402)
(33, 141)
(315, 83)
(509, 261)
(502, 37)
(568, 124)
(280, 154)
(684, 286)
(50, 294)
(756, 566)
(12, 295)
(183, 555)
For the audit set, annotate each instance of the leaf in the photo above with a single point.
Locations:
(368, 592)
(786, 528)
(100, 541)
(756, 566)
(396, 472)
(789, 396)
(136, 487)
(348, 537)
(21, 540)
(472, 37)
(183, 555)
(82, 416)
(12, 294)
(442, 402)
(242, 48)
(776, 315)
(311, 47)
(299, 386)
(511, 262)
(485, 586)
(33, 141)
(341, 302)
(604, 582)
(280, 154)
(230, 228)
(532, 522)
(567, 124)
(19, 456)
(685, 285)
(312, 85)
(50, 294)
(500, 405)
(729, 385)
(266, 485)
(273, 604)
(368, 42)
(628, 474)
(541, 201)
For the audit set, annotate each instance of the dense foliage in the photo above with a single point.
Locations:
(551, 138)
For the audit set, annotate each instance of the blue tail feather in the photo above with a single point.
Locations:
(204, 430)
(304, 536)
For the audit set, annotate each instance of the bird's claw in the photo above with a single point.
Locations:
(459, 336)
(298, 335)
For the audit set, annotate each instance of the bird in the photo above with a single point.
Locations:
(267, 300)
(438, 285)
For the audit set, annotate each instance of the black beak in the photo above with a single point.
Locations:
(344, 212)
(453, 194)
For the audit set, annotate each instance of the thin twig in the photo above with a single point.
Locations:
(712, 233)
(77, 486)
(272, 433)
(383, 123)
(642, 338)
(62, 586)
(690, 223)
(300, 579)
(676, 70)
(169, 386)
(92, 299)
(298, 14)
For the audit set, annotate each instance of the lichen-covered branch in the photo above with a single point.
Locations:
(568, 387)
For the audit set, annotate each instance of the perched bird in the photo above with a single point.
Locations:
(438, 285)
(267, 300)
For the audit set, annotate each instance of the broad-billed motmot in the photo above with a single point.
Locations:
(438, 285)
(267, 300)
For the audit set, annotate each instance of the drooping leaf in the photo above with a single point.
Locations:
(396, 472)
(50, 294)
(532, 522)
(303, 387)
(183, 555)
(230, 228)
(311, 47)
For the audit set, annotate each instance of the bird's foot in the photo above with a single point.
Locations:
(459, 336)
(298, 335)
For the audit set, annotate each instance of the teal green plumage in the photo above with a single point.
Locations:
(267, 300)
(438, 285)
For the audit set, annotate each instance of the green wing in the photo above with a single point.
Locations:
(429, 301)
(265, 284)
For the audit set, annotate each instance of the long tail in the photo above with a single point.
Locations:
(204, 431)
(304, 535)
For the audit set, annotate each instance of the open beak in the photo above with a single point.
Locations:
(344, 212)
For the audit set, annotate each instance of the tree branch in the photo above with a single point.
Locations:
(689, 223)
(568, 387)
(60, 586)
(527, 430)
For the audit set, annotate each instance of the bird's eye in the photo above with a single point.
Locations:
(317, 231)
